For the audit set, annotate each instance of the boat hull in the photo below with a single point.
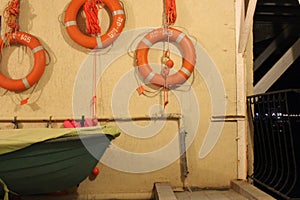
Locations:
(53, 165)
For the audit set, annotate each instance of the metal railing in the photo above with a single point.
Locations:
(276, 132)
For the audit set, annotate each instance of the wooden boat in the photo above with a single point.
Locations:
(60, 159)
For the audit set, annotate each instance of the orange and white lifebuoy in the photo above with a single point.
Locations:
(188, 57)
(38, 66)
(117, 25)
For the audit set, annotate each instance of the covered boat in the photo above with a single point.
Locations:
(44, 160)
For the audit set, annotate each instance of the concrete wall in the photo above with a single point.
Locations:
(147, 151)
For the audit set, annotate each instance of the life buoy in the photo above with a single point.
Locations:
(38, 66)
(188, 57)
(117, 25)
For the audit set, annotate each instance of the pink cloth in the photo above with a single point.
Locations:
(70, 123)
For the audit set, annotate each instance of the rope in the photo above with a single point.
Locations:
(170, 11)
(24, 101)
(91, 13)
(6, 190)
(165, 72)
(94, 100)
(167, 65)
(11, 15)
(94, 120)
(170, 18)
(11, 18)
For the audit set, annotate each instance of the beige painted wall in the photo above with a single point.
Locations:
(209, 22)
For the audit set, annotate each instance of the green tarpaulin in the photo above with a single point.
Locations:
(14, 139)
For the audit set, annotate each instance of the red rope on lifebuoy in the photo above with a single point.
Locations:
(11, 13)
(171, 15)
(171, 11)
(92, 20)
(10, 17)
(117, 22)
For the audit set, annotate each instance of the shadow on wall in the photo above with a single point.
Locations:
(26, 16)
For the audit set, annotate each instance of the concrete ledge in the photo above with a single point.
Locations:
(102, 196)
(249, 191)
(163, 191)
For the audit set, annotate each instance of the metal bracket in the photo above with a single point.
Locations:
(15, 122)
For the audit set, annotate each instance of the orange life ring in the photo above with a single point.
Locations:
(188, 56)
(37, 69)
(117, 25)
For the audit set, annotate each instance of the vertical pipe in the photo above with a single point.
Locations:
(183, 158)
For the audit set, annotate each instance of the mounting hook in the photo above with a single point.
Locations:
(82, 121)
(15, 122)
(49, 123)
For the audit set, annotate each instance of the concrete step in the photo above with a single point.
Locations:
(239, 190)
(249, 191)
(163, 191)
